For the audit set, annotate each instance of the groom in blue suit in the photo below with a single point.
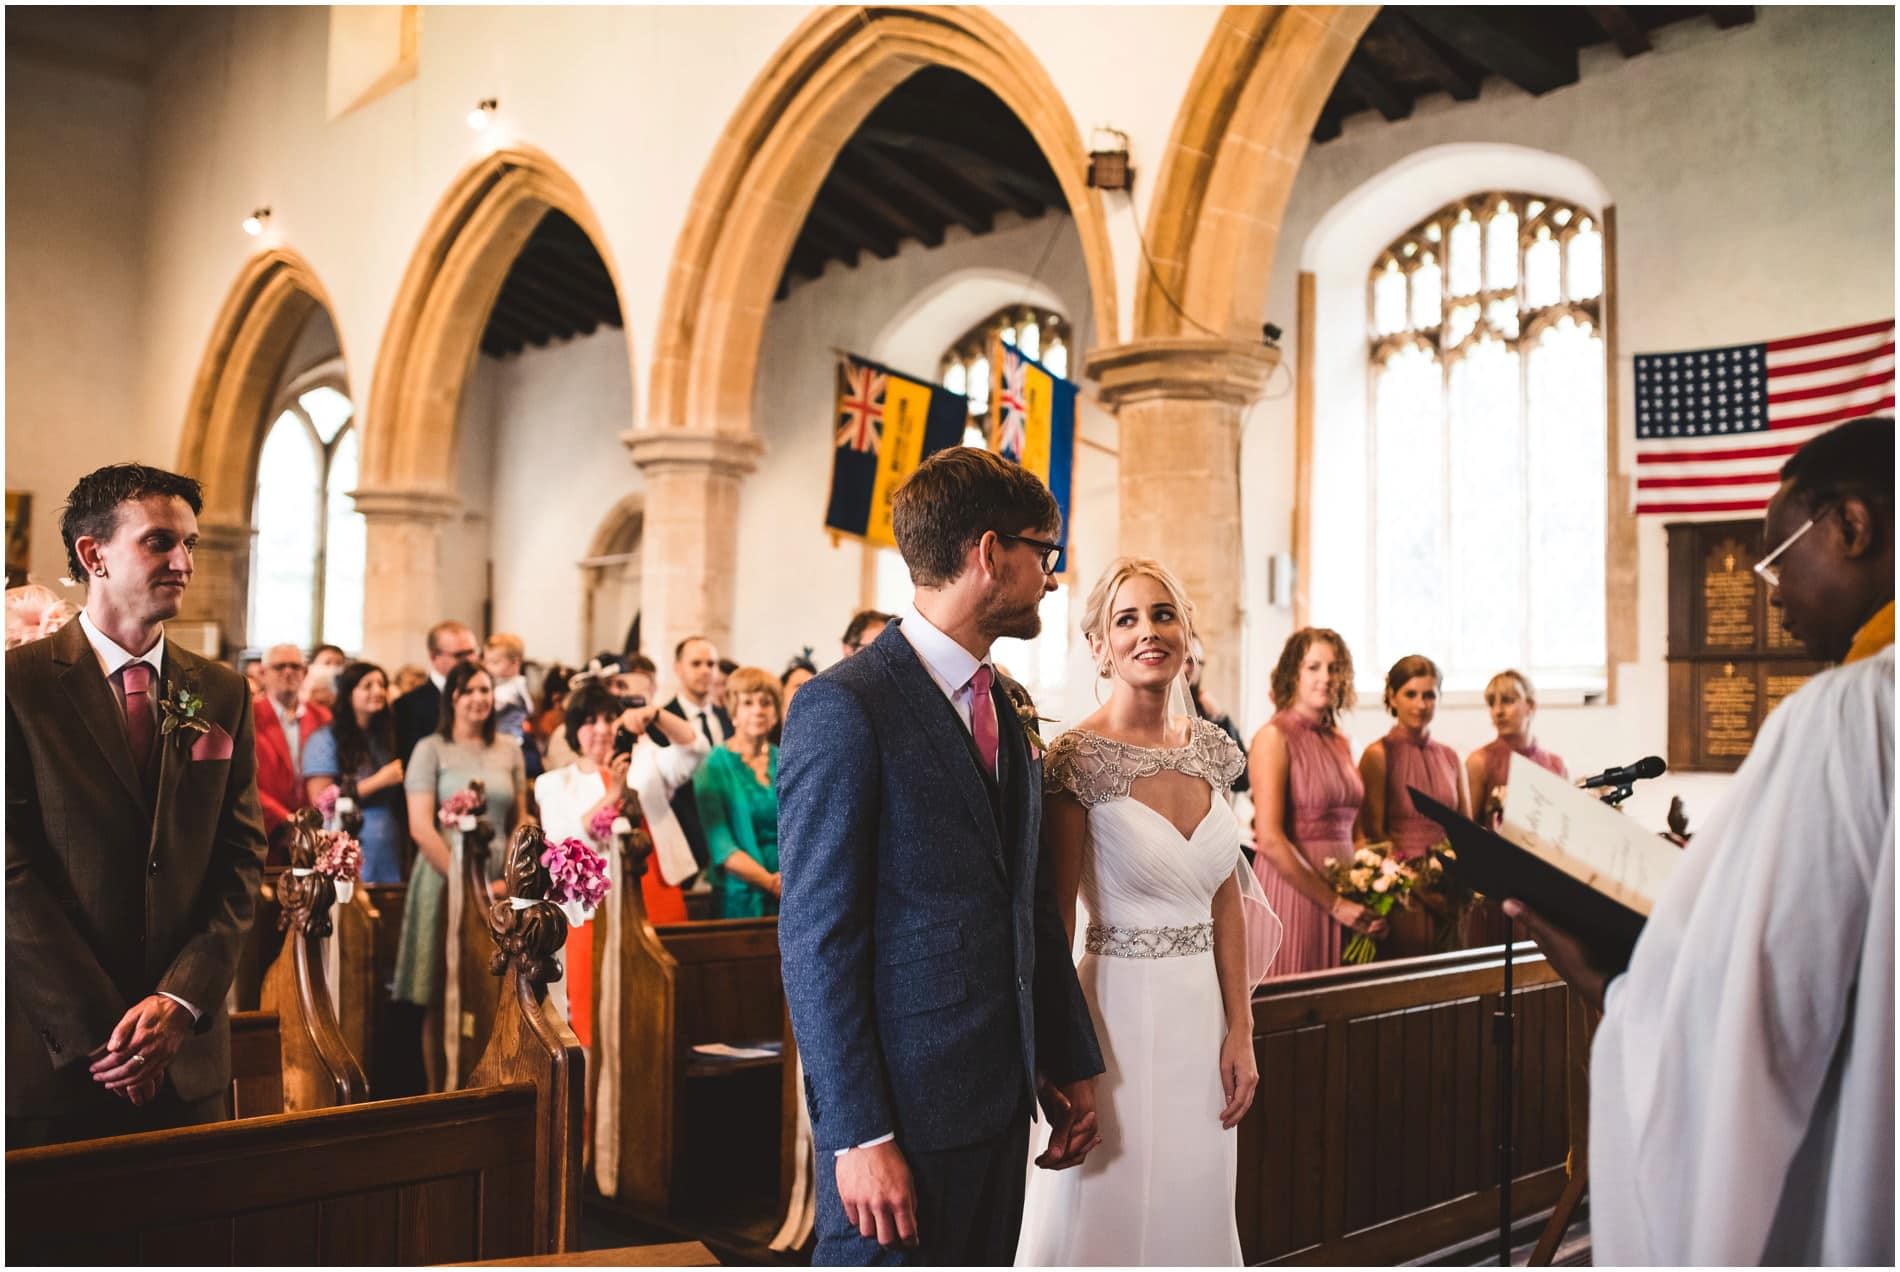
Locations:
(931, 988)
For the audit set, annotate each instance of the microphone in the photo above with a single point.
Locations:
(1647, 767)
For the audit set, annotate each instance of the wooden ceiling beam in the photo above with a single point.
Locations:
(1618, 23)
(859, 229)
(1460, 84)
(827, 242)
(1023, 195)
(894, 174)
(907, 225)
(1502, 42)
(573, 290)
(1728, 17)
(1328, 125)
(1365, 81)
(535, 314)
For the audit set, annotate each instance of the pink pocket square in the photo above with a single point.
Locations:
(215, 745)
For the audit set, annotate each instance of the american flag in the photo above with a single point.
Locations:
(1014, 424)
(1714, 426)
(861, 406)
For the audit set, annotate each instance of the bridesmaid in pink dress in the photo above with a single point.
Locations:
(1306, 800)
(1512, 703)
(1405, 758)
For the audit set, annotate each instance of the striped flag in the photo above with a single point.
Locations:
(886, 423)
(1714, 426)
(1032, 423)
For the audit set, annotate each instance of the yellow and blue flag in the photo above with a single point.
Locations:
(1032, 422)
(886, 423)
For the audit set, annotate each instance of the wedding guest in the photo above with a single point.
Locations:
(450, 643)
(1391, 767)
(360, 740)
(117, 972)
(284, 726)
(330, 658)
(319, 684)
(550, 719)
(408, 676)
(796, 673)
(34, 611)
(659, 775)
(718, 695)
(1512, 703)
(865, 626)
(1306, 801)
(503, 654)
(695, 664)
(250, 665)
(465, 746)
(737, 792)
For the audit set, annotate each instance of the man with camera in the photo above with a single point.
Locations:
(660, 751)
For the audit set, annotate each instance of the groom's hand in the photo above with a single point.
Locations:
(874, 1185)
(1072, 1123)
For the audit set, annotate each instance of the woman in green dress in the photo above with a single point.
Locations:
(464, 747)
(737, 792)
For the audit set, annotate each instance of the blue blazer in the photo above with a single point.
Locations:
(926, 972)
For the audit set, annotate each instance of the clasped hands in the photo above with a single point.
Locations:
(132, 1062)
(880, 1198)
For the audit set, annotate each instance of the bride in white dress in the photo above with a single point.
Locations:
(1176, 933)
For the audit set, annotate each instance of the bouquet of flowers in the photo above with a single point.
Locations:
(326, 802)
(340, 856)
(458, 811)
(1451, 897)
(601, 825)
(578, 878)
(1375, 879)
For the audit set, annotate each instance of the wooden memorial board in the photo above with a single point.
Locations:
(1731, 661)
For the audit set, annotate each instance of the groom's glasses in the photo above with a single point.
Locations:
(1051, 552)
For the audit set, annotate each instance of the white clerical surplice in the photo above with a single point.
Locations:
(1741, 1086)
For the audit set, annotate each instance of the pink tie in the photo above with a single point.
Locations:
(983, 718)
(139, 720)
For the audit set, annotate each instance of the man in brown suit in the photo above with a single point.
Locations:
(134, 841)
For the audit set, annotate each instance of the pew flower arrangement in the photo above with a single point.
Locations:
(458, 811)
(577, 877)
(1375, 879)
(340, 857)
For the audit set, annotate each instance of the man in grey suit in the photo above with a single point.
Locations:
(134, 840)
(930, 984)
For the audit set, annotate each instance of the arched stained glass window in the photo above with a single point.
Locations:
(1488, 447)
(307, 555)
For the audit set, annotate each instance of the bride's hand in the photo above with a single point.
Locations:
(1239, 1076)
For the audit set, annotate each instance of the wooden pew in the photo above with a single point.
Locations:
(320, 1070)
(680, 1123)
(257, 1064)
(491, 1172)
(472, 990)
(1372, 1139)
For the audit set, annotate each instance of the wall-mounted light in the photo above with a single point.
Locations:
(1108, 160)
(484, 112)
(254, 223)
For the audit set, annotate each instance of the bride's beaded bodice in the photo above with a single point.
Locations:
(1096, 769)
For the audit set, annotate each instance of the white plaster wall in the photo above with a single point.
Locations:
(794, 588)
(75, 246)
(467, 542)
(560, 469)
(1752, 175)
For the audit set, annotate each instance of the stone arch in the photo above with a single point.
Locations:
(610, 573)
(429, 346)
(434, 330)
(772, 158)
(274, 296)
(1231, 162)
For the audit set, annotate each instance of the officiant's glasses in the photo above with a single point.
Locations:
(1766, 570)
(1051, 552)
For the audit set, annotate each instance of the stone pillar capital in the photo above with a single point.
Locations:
(429, 506)
(224, 536)
(1189, 369)
(669, 450)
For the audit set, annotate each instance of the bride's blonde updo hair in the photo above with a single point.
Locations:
(1119, 571)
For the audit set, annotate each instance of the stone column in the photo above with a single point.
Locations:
(402, 570)
(689, 539)
(220, 590)
(1180, 403)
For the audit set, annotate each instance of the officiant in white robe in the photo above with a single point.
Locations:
(1741, 1083)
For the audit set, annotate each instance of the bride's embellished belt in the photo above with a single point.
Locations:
(1150, 942)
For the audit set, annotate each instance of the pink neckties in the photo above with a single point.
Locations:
(983, 718)
(140, 720)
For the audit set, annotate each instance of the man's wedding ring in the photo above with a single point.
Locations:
(138, 1057)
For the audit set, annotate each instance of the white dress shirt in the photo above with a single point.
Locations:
(290, 720)
(112, 657)
(705, 721)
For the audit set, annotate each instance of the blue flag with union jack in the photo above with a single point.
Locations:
(1032, 423)
(885, 424)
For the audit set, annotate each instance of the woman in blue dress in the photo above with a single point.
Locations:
(360, 740)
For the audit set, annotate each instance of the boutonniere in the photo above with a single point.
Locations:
(183, 710)
(1027, 718)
